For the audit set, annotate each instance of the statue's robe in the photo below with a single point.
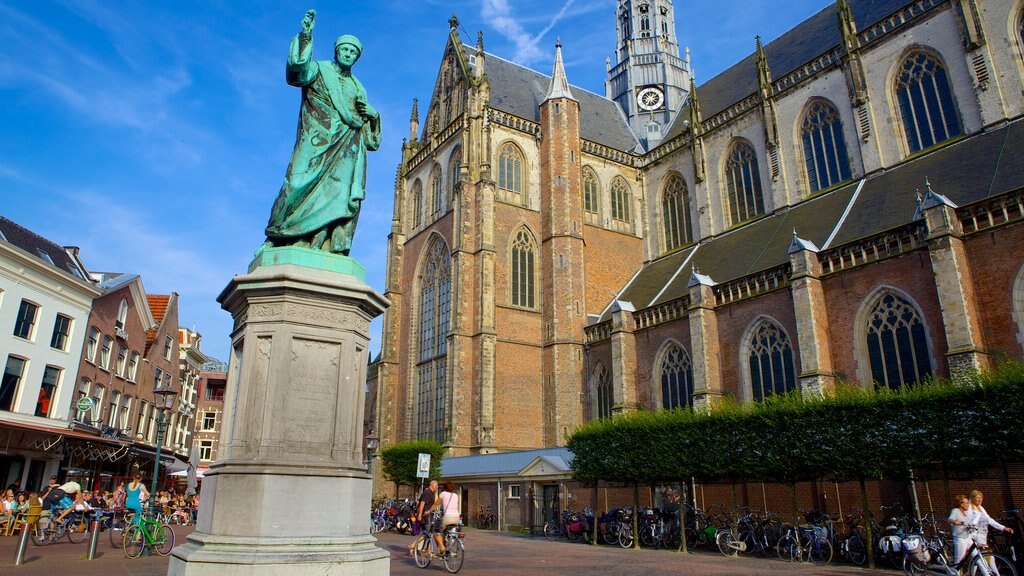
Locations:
(326, 179)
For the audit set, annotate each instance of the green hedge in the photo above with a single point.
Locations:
(848, 434)
(398, 461)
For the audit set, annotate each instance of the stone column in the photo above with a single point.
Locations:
(954, 284)
(623, 358)
(707, 375)
(291, 493)
(812, 326)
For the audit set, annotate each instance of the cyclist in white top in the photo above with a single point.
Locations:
(984, 520)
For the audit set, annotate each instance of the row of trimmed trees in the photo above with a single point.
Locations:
(847, 434)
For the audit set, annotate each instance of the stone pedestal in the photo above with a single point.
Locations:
(289, 493)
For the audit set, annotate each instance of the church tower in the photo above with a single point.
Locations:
(562, 270)
(648, 80)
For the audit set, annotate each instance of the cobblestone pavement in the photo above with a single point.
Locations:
(495, 554)
(487, 554)
(67, 559)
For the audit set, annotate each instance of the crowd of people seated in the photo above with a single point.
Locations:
(61, 500)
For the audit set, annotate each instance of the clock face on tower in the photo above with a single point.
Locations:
(650, 98)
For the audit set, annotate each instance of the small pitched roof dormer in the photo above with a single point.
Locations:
(559, 87)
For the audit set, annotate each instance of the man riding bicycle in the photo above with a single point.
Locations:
(61, 498)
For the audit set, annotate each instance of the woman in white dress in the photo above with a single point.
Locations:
(964, 522)
(984, 520)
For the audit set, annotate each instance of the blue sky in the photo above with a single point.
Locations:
(155, 135)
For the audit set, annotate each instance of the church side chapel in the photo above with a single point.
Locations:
(844, 204)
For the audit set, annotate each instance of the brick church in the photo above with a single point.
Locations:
(844, 204)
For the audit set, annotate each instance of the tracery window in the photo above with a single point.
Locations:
(770, 361)
(897, 344)
(743, 181)
(675, 209)
(824, 147)
(437, 203)
(602, 389)
(454, 166)
(435, 306)
(417, 204)
(676, 378)
(523, 257)
(621, 199)
(926, 103)
(591, 195)
(1018, 303)
(510, 168)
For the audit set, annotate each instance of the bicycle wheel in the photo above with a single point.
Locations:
(728, 545)
(77, 529)
(163, 539)
(625, 537)
(912, 567)
(820, 551)
(787, 548)
(455, 555)
(551, 531)
(574, 536)
(691, 538)
(116, 532)
(421, 551)
(648, 535)
(610, 534)
(134, 541)
(41, 531)
(856, 550)
(997, 565)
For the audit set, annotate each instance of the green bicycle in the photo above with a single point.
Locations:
(147, 533)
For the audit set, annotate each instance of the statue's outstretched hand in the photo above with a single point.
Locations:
(308, 21)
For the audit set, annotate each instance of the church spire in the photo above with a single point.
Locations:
(559, 87)
(414, 121)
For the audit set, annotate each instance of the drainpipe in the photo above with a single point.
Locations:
(498, 505)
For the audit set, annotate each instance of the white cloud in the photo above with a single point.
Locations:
(499, 15)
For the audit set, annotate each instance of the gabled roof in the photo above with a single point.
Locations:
(44, 250)
(158, 304)
(965, 172)
(520, 91)
(114, 281)
(801, 44)
(504, 463)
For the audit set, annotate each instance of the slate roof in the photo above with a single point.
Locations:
(801, 44)
(968, 171)
(502, 464)
(36, 245)
(520, 91)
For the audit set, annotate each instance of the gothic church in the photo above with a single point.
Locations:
(844, 204)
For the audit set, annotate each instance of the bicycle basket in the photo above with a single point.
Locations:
(890, 544)
(916, 549)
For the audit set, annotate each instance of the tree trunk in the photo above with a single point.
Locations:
(682, 518)
(867, 523)
(636, 515)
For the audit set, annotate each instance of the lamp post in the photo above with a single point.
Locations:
(371, 447)
(164, 400)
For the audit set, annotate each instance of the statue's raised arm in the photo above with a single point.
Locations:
(324, 187)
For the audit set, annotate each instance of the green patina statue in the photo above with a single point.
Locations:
(325, 184)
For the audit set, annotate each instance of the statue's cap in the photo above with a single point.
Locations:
(349, 39)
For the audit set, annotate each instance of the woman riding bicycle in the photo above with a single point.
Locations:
(450, 512)
(137, 493)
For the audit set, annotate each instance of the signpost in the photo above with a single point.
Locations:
(423, 468)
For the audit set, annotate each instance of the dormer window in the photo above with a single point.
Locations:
(44, 255)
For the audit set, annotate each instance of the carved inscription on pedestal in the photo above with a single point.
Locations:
(312, 396)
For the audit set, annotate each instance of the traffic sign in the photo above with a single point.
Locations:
(423, 466)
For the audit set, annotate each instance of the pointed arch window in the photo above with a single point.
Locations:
(743, 181)
(591, 196)
(510, 168)
(454, 166)
(621, 200)
(675, 209)
(770, 361)
(437, 203)
(434, 313)
(523, 258)
(1018, 297)
(824, 147)
(601, 385)
(927, 108)
(897, 344)
(676, 378)
(417, 204)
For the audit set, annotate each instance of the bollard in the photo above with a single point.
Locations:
(19, 556)
(94, 538)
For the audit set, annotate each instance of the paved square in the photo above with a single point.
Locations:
(487, 554)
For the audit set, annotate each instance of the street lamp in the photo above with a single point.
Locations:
(163, 401)
(371, 447)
